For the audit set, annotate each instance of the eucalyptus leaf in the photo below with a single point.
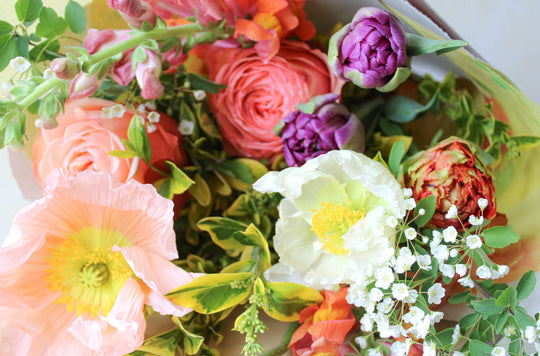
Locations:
(417, 45)
(401, 109)
(396, 154)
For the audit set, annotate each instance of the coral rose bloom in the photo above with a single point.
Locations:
(82, 263)
(261, 92)
(84, 138)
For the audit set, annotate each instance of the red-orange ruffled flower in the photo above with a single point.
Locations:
(324, 327)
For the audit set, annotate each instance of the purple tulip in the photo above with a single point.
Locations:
(370, 51)
(320, 126)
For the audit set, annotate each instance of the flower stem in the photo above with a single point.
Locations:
(282, 348)
(177, 31)
(39, 91)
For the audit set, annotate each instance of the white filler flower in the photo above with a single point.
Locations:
(333, 219)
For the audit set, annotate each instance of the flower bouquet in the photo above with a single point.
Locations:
(216, 169)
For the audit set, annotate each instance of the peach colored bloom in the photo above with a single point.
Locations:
(84, 137)
(83, 262)
(261, 91)
(324, 327)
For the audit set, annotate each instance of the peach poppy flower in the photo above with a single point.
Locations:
(82, 263)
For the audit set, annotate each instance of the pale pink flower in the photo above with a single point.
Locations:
(147, 74)
(85, 261)
(83, 85)
(135, 12)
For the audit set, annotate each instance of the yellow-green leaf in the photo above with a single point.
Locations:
(256, 169)
(284, 300)
(253, 237)
(221, 231)
(164, 344)
(240, 266)
(212, 293)
(180, 182)
(200, 191)
(192, 342)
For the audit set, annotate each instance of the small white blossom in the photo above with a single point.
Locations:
(498, 351)
(483, 272)
(410, 233)
(38, 123)
(385, 306)
(452, 213)
(153, 117)
(482, 203)
(361, 341)
(141, 108)
(399, 348)
(414, 315)
(400, 291)
(447, 270)
(391, 221)
(457, 353)
(48, 74)
(474, 241)
(410, 204)
(384, 277)
(424, 262)
(186, 127)
(150, 128)
(20, 64)
(509, 330)
(476, 221)
(421, 212)
(413, 295)
(435, 293)
(436, 316)
(503, 270)
(374, 352)
(366, 323)
(436, 240)
(429, 349)
(441, 253)
(199, 95)
(150, 105)
(461, 269)
(407, 192)
(456, 334)
(425, 239)
(530, 334)
(376, 295)
(450, 234)
(454, 252)
(404, 260)
(466, 282)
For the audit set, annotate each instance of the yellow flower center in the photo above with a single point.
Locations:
(87, 272)
(331, 222)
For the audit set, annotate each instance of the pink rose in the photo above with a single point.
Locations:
(84, 137)
(260, 92)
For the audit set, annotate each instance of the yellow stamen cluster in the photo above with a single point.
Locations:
(331, 222)
(87, 272)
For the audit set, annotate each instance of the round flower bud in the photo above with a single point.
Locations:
(371, 51)
(320, 126)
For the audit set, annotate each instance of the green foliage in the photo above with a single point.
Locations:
(50, 24)
(138, 139)
(28, 10)
(526, 285)
(198, 82)
(396, 154)
(417, 45)
(284, 300)
(428, 204)
(500, 236)
(401, 109)
(75, 17)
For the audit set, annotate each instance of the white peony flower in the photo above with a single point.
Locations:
(341, 199)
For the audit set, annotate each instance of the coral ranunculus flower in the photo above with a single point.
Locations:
(324, 327)
(81, 264)
(260, 92)
(84, 137)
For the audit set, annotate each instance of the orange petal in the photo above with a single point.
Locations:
(251, 30)
(271, 6)
(332, 330)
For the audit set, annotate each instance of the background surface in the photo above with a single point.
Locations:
(503, 33)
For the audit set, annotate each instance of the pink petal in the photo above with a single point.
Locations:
(160, 275)
(122, 330)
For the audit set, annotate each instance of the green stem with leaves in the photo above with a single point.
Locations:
(40, 90)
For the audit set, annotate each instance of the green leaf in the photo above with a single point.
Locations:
(180, 181)
(28, 10)
(487, 306)
(508, 297)
(192, 342)
(428, 204)
(123, 154)
(164, 344)
(500, 236)
(459, 298)
(50, 24)
(501, 321)
(46, 50)
(199, 82)
(212, 293)
(522, 318)
(253, 237)
(221, 231)
(21, 44)
(284, 300)
(5, 28)
(526, 285)
(200, 191)
(138, 137)
(8, 50)
(240, 266)
(396, 154)
(525, 143)
(443, 339)
(75, 17)
(401, 109)
(477, 347)
(417, 45)
(236, 169)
